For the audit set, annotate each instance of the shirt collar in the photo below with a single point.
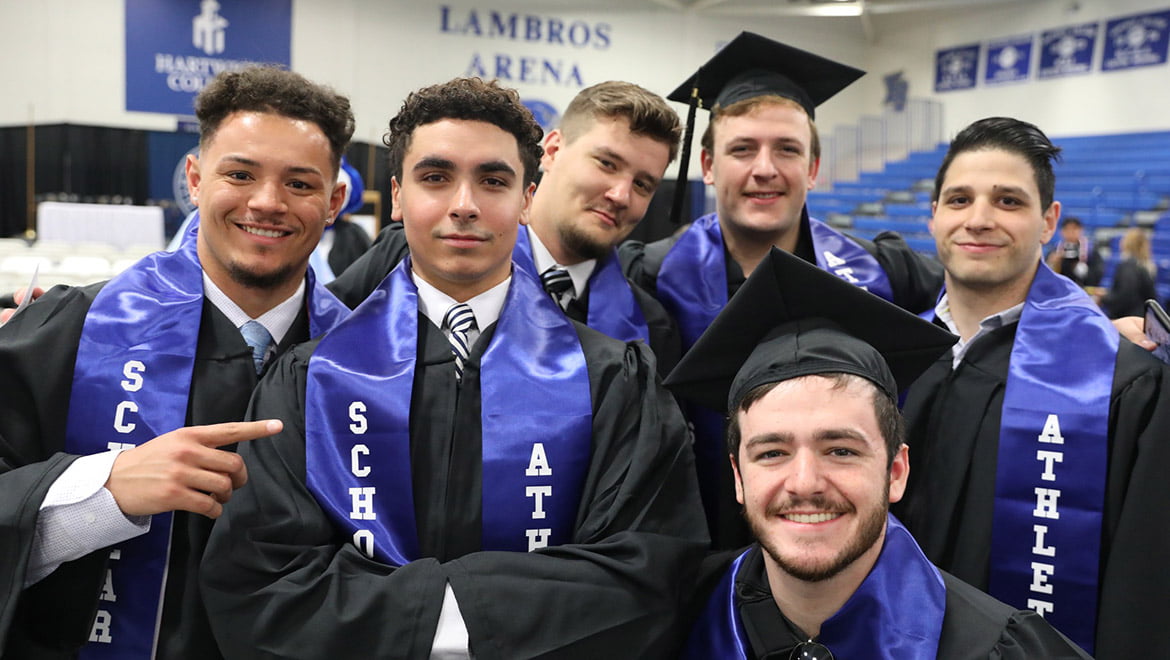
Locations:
(487, 306)
(276, 321)
(998, 320)
(544, 260)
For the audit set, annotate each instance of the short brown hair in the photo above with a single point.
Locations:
(470, 99)
(646, 112)
(746, 106)
(275, 90)
(885, 410)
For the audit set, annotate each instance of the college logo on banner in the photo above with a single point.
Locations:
(1067, 51)
(174, 47)
(1008, 60)
(955, 68)
(1135, 41)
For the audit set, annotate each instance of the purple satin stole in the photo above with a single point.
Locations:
(132, 376)
(613, 309)
(692, 283)
(896, 613)
(536, 422)
(1053, 457)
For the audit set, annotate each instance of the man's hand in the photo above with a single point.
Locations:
(184, 470)
(10, 302)
(1131, 327)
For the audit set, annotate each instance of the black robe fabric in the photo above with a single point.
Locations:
(975, 625)
(367, 273)
(282, 581)
(953, 422)
(350, 242)
(38, 348)
(915, 279)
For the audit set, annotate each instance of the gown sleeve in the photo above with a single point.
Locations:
(915, 278)
(37, 351)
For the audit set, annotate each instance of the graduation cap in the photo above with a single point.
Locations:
(751, 65)
(792, 319)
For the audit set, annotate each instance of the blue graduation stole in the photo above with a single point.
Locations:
(1053, 457)
(692, 283)
(897, 611)
(537, 422)
(613, 309)
(133, 374)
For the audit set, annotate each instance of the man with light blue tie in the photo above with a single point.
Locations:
(116, 398)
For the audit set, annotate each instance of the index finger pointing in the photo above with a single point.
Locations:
(218, 435)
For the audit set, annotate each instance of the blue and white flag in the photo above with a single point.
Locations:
(1138, 40)
(956, 68)
(1067, 51)
(1008, 60)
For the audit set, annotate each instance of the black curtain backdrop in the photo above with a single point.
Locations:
(88, 162)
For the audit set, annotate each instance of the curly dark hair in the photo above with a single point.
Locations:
(275, 90)
(471, 99)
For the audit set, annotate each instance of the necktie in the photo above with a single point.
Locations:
(557, 283)
(258, 338)
(459, 320)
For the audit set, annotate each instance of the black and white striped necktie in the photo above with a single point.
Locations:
(459, 320)
(557, 283)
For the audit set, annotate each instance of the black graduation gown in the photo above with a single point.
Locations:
(975, 625)
(38, 349)
(282, 581)
(953, 422)
(367, 273)
(350, 242)
(915, 279)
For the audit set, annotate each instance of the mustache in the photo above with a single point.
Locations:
(815, 503)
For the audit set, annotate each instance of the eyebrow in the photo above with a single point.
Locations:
(822, 435)
(998, 189)
(438, 163)
(248, 162)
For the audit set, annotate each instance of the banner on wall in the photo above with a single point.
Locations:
(1008, 60)
(174, 47)
(1067, 51)
(956, 68)
(1135, 41)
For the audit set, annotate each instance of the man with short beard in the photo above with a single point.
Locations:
(115, 398)
(815, 441)
(600, 169)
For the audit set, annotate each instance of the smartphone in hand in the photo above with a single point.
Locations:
(1157, 329)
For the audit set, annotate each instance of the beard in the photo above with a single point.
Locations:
(867, 535)
(581, 243)
(263, 281)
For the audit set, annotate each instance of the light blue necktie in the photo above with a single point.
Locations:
(259, 339)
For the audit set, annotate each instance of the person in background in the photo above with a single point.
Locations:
(344, 241)
(1075, 256)
(1133, 279)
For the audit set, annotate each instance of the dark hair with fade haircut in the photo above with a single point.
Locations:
(747, 106)
(1011, 135)
(889, 419)
(470, 99)
(646, 112)
(278, 91)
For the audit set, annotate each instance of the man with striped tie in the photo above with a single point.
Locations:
(600, 169)
(464, 469)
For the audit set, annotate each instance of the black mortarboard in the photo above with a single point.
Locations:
(751, 65)
(793, 319)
